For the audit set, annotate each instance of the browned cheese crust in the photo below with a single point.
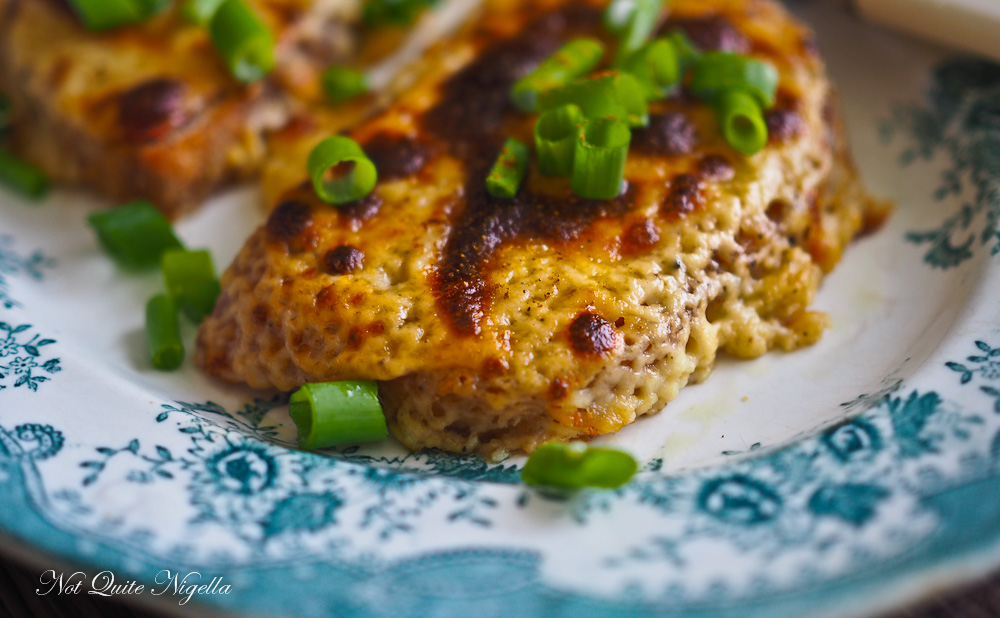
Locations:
(496, 325)
(150, 110)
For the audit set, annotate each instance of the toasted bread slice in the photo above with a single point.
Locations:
(496, 325)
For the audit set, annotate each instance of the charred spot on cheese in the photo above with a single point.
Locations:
(396, 156)
(640, 237)
(713, 33)
(715, 167)
(357, 212)
(289, 220)
(669, 133)
(558, 389)
(591, 334)
(475, 100)
(783, 124)
(685, 195)
(343, 260)
(487, 223)
(152, 110)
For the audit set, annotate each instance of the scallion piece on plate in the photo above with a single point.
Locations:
(719, 72)
(599, 159)
(343, 83)
(135, 235)
(639, 26)
(22, 177)
(352, 183)
(687, 53)
(148, 8)
(573, 60)
(163, 336)
(741, 121)
(608, 94)
(375, 13)
(105, 14)
(655, 66)
(332, 413)
(200, 11)
(243, 40)
(191, 281)
(556, 133)
(508, 170)
(575, 466)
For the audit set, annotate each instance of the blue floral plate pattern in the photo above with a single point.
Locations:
(839, 480)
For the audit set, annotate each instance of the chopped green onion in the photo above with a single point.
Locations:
(376, 13)
(200, 11)
(609, 94)
(556, 133)
(741, 121)
(575, 465)
(618, 16)
(243, 40)
(599, 159)
(354, 185)
(574, 59)
(332, 413)
(105, 14)
(640, 25)
(508, 170)
(687, 53)
(148, 8)
(190, 279)
(22, 176)
(718, 72)
(135, 235)
(163, 334)
(655, 66)
(342, 83)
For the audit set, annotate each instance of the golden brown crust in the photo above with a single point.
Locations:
(150, 111)
(495, 326)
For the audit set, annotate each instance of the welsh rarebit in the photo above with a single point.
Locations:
(496, 325)
(151, 110)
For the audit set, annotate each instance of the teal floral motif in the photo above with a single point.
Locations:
(248, 420)
(12, 263)
(855, 440)
(305, 512)
(851, 502)
(986, 365)
(20, 358)
(155, 466)
(39, 441)
(962, 119)
(740, 499)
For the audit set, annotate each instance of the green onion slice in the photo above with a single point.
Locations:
(163, 335)
(509, 169)
(656, 67)
(640, 25)
(22, 176)
(608, 94)
(575, 465)
(148, 8)
(352, 186)
(332, 413)
(687, 53)
(718, 72)
(135, 235)
(200, 11)
(105, 14)
(243, 40)
(556, 133)
(599, 159)
(343, 83)
(573, 60)
(376, 13)
(741, 121)
(190, 278)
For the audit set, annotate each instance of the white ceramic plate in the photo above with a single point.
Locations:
(837, 480)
